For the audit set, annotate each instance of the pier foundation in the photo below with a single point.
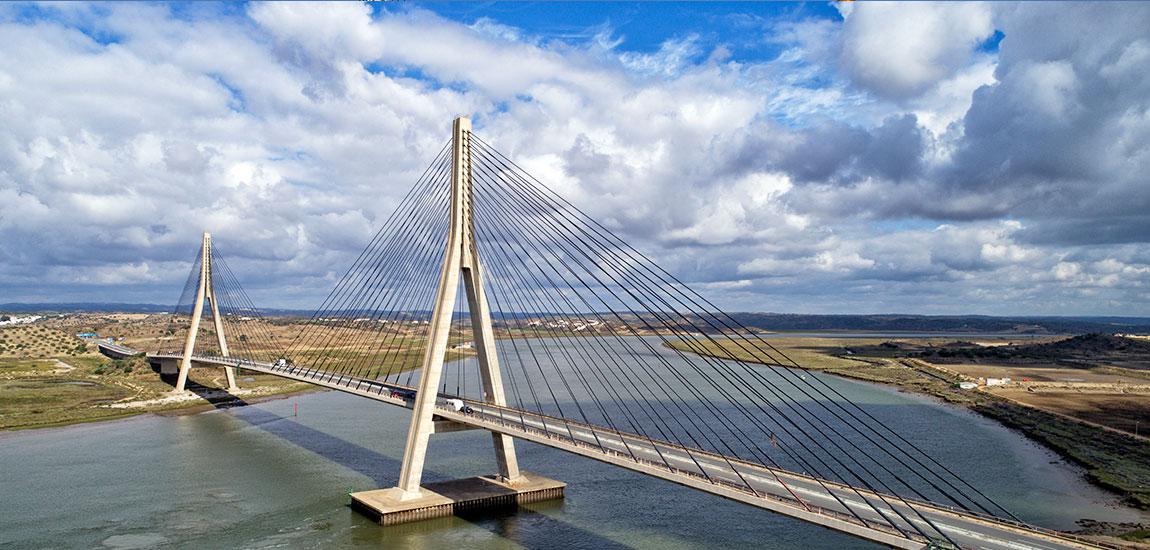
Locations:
(446, 498)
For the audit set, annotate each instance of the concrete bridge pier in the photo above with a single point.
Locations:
(165, 366)
(410, 501)
(458, 496)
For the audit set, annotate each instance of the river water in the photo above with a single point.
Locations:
(261, 477)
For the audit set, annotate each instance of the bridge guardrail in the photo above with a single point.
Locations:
(715, 481)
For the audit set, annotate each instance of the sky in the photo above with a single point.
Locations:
(865, 157)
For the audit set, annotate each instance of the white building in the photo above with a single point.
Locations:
(14, 320)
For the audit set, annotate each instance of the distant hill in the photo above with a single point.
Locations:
(1090, 347)
(1082, 351)
(943, 323)
(767, 321)
(85, 307)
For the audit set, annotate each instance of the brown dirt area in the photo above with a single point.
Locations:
(1118, 411)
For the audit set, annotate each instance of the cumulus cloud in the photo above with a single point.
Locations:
(878, 161)
(900, 50)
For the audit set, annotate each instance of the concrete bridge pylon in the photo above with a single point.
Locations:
(205, 292)
(461, 259)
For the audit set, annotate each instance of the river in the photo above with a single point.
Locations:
(261, 477)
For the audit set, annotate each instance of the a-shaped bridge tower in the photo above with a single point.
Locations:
(205, 295)
(460, 259)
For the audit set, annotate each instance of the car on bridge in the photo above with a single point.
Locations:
(458, 405)
(402, 394)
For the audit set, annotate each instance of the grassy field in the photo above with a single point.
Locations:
(49, 377)
(37, 393)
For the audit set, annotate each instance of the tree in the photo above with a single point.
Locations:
(4, 318)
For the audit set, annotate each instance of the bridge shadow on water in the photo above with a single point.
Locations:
(526, 526)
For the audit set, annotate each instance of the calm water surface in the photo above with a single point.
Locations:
(259, 477)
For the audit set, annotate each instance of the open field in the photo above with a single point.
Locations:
(1128, 412)
(49, 377)
(89, 387)
(38, 341)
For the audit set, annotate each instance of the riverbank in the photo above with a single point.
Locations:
(60, 391)
(1112, 460)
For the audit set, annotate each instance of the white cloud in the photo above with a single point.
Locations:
(291, 130)
(901, 49)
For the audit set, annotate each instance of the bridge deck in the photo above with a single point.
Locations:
(115, 351)
(822, 502)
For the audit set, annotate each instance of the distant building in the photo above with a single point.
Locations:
(968, 385)
(14, 320)
(997, 381)
(87, 335)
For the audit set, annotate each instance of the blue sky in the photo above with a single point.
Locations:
(643, 26)
(813, 157)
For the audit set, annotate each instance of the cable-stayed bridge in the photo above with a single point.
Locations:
(565, 335)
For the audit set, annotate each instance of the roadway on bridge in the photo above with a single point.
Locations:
(830, 504)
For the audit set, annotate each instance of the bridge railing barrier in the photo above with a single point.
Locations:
(687, 473)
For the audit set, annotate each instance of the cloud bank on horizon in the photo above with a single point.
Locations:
(870, 157)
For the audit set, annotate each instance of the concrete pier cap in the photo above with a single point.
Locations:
(393, 506)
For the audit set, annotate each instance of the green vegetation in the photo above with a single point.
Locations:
(49, 377)
(1111, 460)
(51, 401)
(121, 366)
(1084, 351)
(1141, 535)
(38, 341)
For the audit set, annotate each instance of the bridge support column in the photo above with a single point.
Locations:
(461, 257)
(205, 291)
(489, 366)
